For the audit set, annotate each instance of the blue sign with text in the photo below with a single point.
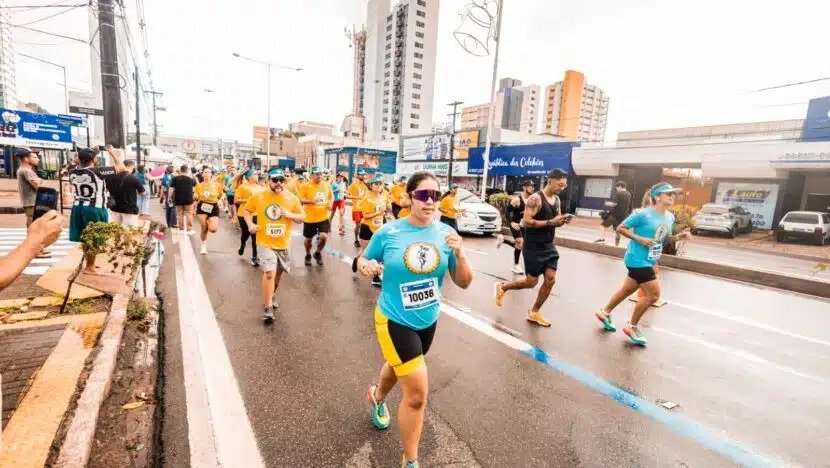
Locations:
(522, 160)
(20, 128)
(817, 123)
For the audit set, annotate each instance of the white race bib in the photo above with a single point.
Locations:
(274, 230)
(206, 208)
(655, 251)
(320, 198)
(419, 294)
(378, 220)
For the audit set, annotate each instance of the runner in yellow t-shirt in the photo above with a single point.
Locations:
(450, 208)
(316, 197)
(374, 206)
(357, 190)
(397, 193)
(207, 195)
(247, 185)
(275, 210)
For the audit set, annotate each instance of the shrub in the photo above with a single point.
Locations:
(501, 201)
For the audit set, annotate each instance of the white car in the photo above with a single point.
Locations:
(479, 217)
(729, 219)
(812, 225)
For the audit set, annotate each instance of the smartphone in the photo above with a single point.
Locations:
(102, 148)
(568, 217)
(46, 199)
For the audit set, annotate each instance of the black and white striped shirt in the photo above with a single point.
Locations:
(90, 187)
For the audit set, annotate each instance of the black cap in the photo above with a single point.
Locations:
(22, 151)
(86, 155)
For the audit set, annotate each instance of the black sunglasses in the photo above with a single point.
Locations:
(425, 195)
(277, 179)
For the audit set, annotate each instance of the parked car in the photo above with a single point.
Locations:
(480, 217)
(729, 219)
(812, 225)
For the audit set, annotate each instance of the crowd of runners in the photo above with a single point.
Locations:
(405, 249)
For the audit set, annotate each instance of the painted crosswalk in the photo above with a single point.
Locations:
(12, 237)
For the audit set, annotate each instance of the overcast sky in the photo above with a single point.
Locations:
(663, 63)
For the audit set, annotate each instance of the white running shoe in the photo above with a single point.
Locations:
(203, 251)
(190, 232)
(518, 270)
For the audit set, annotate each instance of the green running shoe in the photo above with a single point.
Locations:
(380, 413)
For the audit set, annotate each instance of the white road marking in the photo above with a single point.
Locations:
(752, 323)
(740, 353)
(233, 439)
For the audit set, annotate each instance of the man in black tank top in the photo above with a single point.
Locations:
(543, 213)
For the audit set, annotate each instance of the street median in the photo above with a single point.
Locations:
(795, 283)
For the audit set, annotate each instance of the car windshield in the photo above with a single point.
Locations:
(806, 218)
(714, 209)
(468, 196)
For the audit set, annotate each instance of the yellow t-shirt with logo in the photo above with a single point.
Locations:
(208, 192)
(246, 191)
(374, 203)
(321, 196)
(449, 207)
(274, 232)
(397, 192)
(358, 189)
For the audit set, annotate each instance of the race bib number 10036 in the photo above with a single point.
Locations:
(420, 294)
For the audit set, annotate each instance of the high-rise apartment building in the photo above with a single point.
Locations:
(576, 110)
(8, 88)
(399, 71)
(516, 108)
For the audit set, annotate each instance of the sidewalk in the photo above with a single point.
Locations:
(10, 198)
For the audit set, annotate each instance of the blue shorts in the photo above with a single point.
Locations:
(81, 216)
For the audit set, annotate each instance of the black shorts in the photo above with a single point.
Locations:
(211, 210)
(396, 209)
(365, 232)
(403, 348)
(537, 262)
(230, 199)
(312, 229)
(642, 275)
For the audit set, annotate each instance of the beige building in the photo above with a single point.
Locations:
(473, 117)
(576, 110)
(726, 133)
(307, 128)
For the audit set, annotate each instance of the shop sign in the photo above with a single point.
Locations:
(758, 199)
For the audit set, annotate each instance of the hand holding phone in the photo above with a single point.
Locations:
(46, 199)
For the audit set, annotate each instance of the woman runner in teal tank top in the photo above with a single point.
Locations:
(414, 254)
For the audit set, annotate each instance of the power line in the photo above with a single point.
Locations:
(797, 83)
(48, 33)
(34, 7)
(47, 17)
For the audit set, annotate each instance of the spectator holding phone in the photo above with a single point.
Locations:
(28, 182)
(42, 232)
(90, 194)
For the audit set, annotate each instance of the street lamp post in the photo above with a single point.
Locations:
(491, 116)
(268, 120)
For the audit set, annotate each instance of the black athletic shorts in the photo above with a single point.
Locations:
(403, 348)
(642, 275)
(396, 209)
(231, 199)
(365, 232)
(312, 229)
(537, 261)
(211, 210)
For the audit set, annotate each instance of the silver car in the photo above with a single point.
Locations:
(479, 217)
(728, 219)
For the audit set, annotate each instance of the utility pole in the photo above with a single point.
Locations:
(110, 78)
(137, 119)
(454, 105)
(155, 93)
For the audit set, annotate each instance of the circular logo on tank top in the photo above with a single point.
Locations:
(273, 212)
(661, 233)
(421, 258)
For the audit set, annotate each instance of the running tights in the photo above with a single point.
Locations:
(243, 226)
(516, 254)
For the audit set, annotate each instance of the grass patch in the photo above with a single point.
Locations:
(137, 309)
(9, 310)
(81, 306)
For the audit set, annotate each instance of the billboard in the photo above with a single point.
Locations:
(426, 148)
(439, 168)
(20, 128)
(759, 199)
(349, 158)
(522, 160)
(261, 133)
(817, 123)
(463, 142)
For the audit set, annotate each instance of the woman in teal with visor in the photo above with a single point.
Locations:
(648, 228)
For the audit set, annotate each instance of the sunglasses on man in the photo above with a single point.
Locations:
(278, 180)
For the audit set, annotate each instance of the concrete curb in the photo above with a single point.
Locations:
(77, 445)
(770, 279)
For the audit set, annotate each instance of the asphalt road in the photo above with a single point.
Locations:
(748, 367)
